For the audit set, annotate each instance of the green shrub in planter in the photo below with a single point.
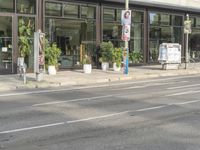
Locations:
(52, 53)
(117, 55)
(106, 49)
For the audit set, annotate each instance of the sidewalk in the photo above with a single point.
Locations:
(77, 77)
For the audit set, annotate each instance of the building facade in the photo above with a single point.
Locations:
(79, 26)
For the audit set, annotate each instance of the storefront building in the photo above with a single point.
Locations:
(78, 27)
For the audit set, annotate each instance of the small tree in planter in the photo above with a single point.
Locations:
(52, 53)
(117, 58)
(24, 42)
(87, 66)
(106, 54)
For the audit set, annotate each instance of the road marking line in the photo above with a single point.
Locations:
(72, 100)
(143, 86)
(187, 102)
(99, 117)
(182, 93)
(151, 108)
(77, 121)
(185, 86)
(32, 128)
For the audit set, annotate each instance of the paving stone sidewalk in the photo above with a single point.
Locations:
(77, 77)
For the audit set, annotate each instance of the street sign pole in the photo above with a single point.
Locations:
(126, 50)
(187, 31)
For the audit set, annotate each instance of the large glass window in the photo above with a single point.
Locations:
(53, 9)
(5, 45)
(26, 6)
(164, 28)
(6, 5)
(88, 12)
(74, 31)
(109, 14)
(71, 10)
(194, 40)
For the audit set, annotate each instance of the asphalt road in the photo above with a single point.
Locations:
(154, 114)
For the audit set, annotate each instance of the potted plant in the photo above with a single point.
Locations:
(106, 54)
(87, 67)
(24, 42)
(52, 53)
(117, 58)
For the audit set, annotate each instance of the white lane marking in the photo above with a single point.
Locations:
(182, 93)
(185, 103)
(185, 86)
(151, 108)
(97, 117)
(32, 128)
(88, 87)
(78, 120)
(72, 100)
(143, 86)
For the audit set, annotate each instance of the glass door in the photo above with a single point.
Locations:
(5, 44)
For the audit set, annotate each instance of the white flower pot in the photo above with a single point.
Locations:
(115, 68)
(87, 68)
(104, 66)
(51, 70)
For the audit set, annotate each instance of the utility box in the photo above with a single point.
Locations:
(170, 55)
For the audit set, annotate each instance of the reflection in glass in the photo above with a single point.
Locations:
(71, 10)
(108, 14)
(53, 9)
(26, 6)
(88, 12)
(6, 5)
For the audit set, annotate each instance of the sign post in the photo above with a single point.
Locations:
(126, 30)
(187, 31)
(39, 55)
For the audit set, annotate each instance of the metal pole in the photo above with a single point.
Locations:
(186, 47)
(126, 43)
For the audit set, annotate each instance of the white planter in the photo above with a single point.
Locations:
(115, 68)
(87, 68)
(104, 66)
(51, 70)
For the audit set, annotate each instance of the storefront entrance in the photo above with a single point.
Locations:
(6, 45)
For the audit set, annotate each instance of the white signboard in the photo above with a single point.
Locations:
(170, 53)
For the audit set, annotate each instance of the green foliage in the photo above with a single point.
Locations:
(106, 49)
(52, 53)
(24, 43)
(136, 57)
(86, 60)
(117, 55)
